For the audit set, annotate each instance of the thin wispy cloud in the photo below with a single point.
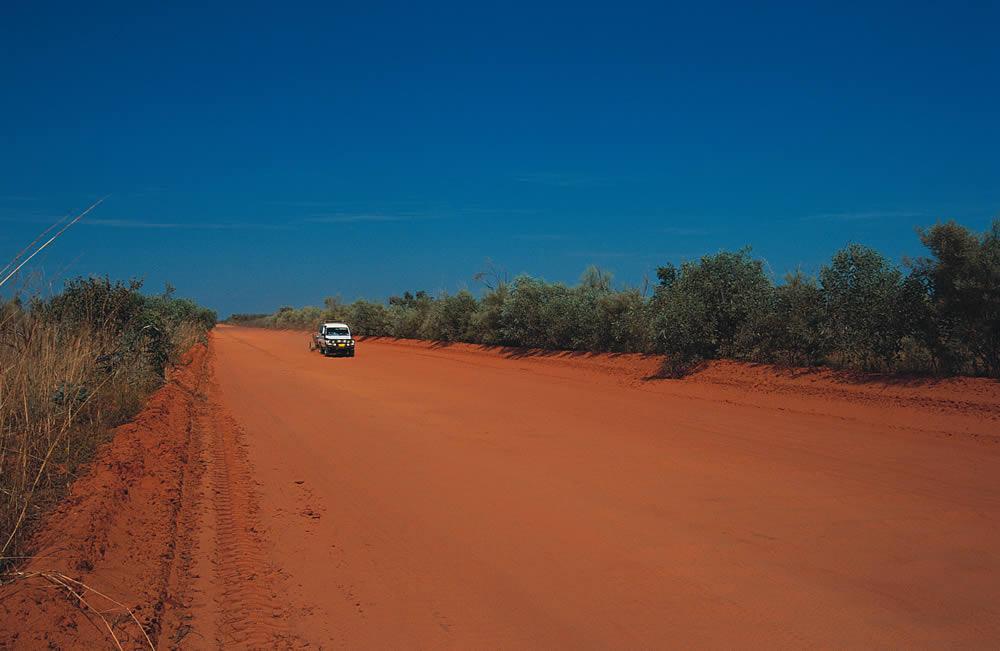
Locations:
(367, 218)
(558, 179)
(685, 231)
(680, 231)
(345, 205)
(491, 211)
(541, 237)
(601, 254)
(32, 219)
(308, 204)
(341, 212)
(154, 225)
(145, 191)
(864, 215)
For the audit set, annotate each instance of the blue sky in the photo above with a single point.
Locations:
(266, 154)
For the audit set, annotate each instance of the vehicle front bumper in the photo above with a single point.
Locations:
(338, 349)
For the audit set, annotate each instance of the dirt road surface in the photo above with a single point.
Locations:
(452, 497)
(424, 497)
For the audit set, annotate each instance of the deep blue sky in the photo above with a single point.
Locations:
(259, 155)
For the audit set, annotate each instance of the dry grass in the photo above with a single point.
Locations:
(83, 595)
(64, 383)
(71, 369)
(184, 337)
(58, 400)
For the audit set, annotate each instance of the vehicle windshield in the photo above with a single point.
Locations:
(338, 332)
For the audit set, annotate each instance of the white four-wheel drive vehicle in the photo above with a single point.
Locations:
(333, 339)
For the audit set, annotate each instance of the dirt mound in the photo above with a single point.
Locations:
(113, 540)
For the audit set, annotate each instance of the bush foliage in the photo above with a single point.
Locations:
(936, 314)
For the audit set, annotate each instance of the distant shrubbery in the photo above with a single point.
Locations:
(72, 367)
(941, 315)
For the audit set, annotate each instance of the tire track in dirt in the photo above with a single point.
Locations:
(166, 523)
(228, 593)
(248, 609)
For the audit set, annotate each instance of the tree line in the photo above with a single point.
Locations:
(935, 314)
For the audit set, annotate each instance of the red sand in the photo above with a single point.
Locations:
(430, 496)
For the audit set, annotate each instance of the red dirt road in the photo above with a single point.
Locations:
(452, 497)
(448, 497)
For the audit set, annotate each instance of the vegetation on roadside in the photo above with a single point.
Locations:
(72, 367)
(939, 314)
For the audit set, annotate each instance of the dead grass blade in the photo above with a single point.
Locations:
(77, 589)
(48, 241)
(35, 241)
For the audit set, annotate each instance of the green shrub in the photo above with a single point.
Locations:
(963, 282)
(861, 291)
(486, 326)
(366, 318)
(449, 318)
(703, 309)
(682, 331)
(789, 330)
(139, 325)
(624, 322)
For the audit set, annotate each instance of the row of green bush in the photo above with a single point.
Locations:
(937, 314)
